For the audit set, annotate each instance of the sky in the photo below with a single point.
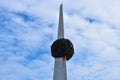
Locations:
(29, 27)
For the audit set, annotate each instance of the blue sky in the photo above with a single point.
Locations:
(28, 28)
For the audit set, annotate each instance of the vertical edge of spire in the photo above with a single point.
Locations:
(61, 23)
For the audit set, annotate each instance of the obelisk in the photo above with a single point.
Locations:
(62, 50)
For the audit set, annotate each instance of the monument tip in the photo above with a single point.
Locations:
(61, 5)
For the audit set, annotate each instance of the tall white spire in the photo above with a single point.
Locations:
(61, 23)
(60, 72)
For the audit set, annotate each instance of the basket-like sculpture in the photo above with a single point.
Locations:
(62, 47)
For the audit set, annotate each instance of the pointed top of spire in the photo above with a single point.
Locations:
(61, 5)
(61, 23)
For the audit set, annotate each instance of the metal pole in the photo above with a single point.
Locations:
(60, 71)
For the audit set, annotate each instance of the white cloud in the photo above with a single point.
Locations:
(25, 53)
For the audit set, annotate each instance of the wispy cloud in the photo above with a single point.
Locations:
(28, 28)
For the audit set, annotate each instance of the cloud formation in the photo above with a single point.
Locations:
(28, 28)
